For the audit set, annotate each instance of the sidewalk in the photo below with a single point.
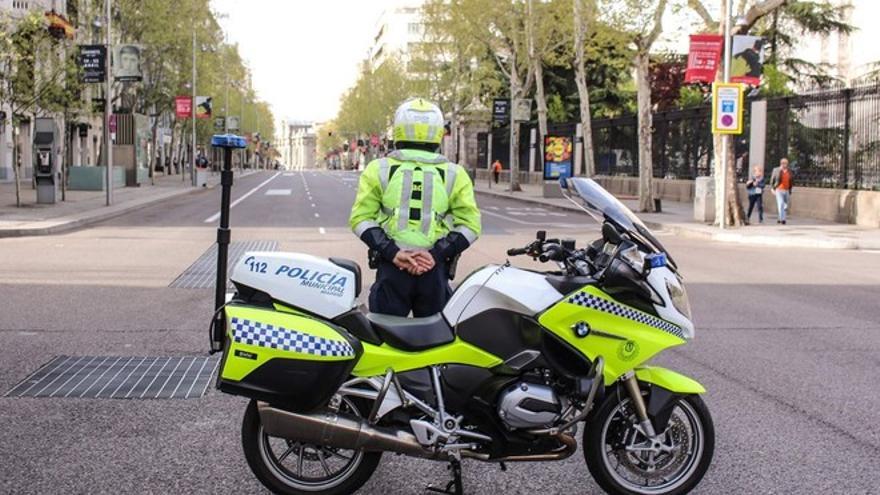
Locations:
(677, 218)
(84, 207)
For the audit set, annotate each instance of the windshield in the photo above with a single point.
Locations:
(602, 206)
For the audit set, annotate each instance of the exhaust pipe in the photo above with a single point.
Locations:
(341, 431)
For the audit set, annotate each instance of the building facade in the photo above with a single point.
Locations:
(298, 145)
(398, 32)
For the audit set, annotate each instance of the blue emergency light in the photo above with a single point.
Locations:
(228, 141)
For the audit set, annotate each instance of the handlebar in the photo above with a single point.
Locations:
(517, 251)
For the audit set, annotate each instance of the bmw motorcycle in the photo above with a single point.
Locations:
(517, 362)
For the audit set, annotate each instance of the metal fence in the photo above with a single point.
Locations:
(832, 139)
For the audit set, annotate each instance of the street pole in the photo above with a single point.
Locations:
(728, 13)
(108, 109)
(192, 170)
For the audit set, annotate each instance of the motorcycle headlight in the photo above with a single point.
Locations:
(634, 258)
(679, 297)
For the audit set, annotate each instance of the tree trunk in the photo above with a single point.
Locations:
(15, 170)
(515, 93)
(580, 78)
(646, 167)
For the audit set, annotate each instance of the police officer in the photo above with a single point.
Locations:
(416, 212)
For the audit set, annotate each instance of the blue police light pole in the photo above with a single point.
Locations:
(227, 142)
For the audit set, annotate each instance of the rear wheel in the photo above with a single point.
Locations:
(624, 461)
(289, 467)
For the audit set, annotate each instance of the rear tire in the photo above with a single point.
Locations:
(610, 432)
(272, 473)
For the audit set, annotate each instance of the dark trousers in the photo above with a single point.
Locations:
(396, 292)
(753, 200)
(496, 174)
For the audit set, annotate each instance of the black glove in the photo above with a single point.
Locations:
(449, 247)
(376, 239)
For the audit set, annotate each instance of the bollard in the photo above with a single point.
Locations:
(227, 142)
(657, 206)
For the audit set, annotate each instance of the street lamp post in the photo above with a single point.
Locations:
(192, 171)
(108, 109)
(725, 137)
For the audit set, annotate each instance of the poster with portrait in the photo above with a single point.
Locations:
(127, 63)
(747, 61)
(203, 107)
(557, 157)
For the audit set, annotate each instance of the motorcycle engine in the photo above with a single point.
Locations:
(529, 405)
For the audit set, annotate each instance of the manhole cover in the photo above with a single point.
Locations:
(203, 273)
(117, 377)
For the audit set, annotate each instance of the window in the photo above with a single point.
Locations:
(414, 28)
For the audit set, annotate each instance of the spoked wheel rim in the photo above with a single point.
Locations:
(309, 467)
(652, 468)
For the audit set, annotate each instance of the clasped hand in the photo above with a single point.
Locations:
(414, 262)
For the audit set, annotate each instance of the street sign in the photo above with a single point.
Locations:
(233, 123)
(500, 110)
(522, 109)
(92, 61)
(727, 108)
(219, 123)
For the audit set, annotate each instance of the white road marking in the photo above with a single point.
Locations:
(279, 192)
(523, 222)
(214, 217)
(289, 174)
(313, 205)
(317, 216)
(321, 230)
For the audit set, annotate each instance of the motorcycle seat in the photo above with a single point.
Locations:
(412, 334)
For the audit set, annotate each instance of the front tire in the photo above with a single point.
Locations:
(623, 462)
(330, 471)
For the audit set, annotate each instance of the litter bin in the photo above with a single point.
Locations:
(201, 177)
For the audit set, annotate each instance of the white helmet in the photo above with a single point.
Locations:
(418, 120)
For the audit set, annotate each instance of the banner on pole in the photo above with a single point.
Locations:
(203, 107)
(747, 63)
(93, 63)
(727, 108)
(127, 63)
(183, 107)
(704, 58)
(557, 157)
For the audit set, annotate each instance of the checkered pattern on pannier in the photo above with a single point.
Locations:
(274, 337)
(593, 302)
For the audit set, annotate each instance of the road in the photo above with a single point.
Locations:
(788, 346)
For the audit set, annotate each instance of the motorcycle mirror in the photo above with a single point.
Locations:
(569, 244)
(610, 233)
(541, 235)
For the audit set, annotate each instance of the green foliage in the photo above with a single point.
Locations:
(556, 109)
(691, 96)
(368, 107)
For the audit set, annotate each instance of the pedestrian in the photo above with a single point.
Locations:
(496, 170)
(416, 212)
(782, 183)
(755, 188)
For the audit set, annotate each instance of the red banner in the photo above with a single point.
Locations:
(704, 58)
(183, 106)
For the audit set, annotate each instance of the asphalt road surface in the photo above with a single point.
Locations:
(788, 346)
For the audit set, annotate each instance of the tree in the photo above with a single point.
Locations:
(641, 20)
(581, 23)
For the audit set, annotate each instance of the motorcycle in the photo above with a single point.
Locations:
(516, 362)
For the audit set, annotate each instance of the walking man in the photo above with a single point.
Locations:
(782, 182)
(416, 212)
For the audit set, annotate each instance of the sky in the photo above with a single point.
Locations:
(303, 53)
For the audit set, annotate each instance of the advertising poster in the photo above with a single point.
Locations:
(127, 63)
(704, 58)
(557, 157)
(232, 123)
(183, 107)
(747, 63)
(93, 62)
(203, 107)
(500, 110)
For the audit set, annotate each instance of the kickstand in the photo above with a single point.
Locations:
(454, 487)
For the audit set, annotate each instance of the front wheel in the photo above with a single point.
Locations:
(288, 467)
(624, 461)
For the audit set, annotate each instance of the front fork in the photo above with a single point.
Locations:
(635, 394)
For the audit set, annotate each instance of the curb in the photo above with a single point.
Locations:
(698, 234)
(73, 222)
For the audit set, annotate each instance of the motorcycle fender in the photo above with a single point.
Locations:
(670, 380)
